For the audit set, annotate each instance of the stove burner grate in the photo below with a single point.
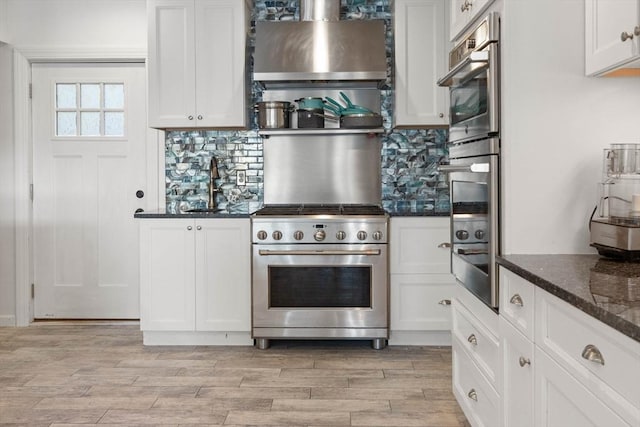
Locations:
(336, 210)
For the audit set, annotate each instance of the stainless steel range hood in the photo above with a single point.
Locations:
(297, 53)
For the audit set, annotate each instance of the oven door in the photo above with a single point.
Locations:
(474, 97)
(327, 287)
(475, 224)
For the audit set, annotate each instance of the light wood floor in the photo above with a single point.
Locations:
(74, 375)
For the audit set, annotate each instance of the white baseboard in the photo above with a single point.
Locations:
(431, 338)
(196, 338)
(7, 320)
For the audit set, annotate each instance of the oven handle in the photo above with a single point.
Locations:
(318, 252)
(473, 167)
(475, 62)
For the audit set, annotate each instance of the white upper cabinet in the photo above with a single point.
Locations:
(420, 59)
(612, 37)
(464, 13)
(196, 63)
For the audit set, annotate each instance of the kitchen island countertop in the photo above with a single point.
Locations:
(606, 289)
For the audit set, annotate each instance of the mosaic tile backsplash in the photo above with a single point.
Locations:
(409, 158)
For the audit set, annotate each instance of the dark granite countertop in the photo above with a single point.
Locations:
(606, 289)
(189, 215)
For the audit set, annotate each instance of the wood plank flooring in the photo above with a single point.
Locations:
(99, 374)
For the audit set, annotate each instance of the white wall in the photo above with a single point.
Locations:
(67, 24)
(7, 232)
(556, 122)
(3, 21)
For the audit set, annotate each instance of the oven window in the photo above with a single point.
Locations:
(469, 197)
(469, 100)
(320, 286)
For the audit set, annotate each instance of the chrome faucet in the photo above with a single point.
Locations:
(213, 175)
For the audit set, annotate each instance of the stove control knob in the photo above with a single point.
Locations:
(462, 234)
(479, 234)
(320, 235)
(277, 235)
(341, 235)
(262, 234)
(377, 235)
(362, 235)
(298, 235)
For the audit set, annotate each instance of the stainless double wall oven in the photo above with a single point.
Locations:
(474, 153)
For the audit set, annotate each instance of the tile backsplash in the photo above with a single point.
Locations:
(409, 158)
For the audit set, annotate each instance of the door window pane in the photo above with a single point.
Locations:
(89, 96)
(65, 95)
(114, 96)
(90, 123)
(66, 124)
(114, 124)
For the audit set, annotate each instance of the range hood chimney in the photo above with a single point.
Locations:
(320, 49)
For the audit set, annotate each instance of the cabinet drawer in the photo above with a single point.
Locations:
(421, 302)
(414, 245)
(517, 301)
(481, 344)
(477, 398)
(572, 337)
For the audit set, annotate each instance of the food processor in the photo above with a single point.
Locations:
(615, 223)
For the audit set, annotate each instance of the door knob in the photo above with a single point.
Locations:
(626, 36)
(139, 194)
(139, 210)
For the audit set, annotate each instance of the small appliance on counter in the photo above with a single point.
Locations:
(615, 222)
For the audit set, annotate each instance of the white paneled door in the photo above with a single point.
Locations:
(89, 177)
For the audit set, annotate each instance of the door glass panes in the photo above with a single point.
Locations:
(90, 109)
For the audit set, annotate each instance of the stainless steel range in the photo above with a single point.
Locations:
(320, 271)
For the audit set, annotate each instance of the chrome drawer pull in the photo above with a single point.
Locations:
(445, 302)
(592, 354)
(445, 245)
(524, 361)
(473, 395)
(516, 299)
(472, 339)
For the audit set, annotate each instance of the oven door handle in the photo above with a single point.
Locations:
(467, 69)
(473, 167)
(368, 252)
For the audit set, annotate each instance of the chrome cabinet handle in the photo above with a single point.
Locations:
(472, 339)
(466, 6)
(190, 117)
(199, 117)
(441, 115)
(626, 36)
(445, 302)
(592, 354)
(524, 361)
(444, 245)
(472, 394)
(516, 299)
(636, 30)
(189, 228)
(199, 227)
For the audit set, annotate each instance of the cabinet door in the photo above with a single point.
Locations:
(223, 275)
(464, 13)
(606, 20)
(421, 58)
(421, 302)
(415, 245)
(171, 63)
(517, 377)
(167, 277)
(562, 401)
(220, 61)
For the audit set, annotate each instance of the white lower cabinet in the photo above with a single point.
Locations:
(562, 367)
(421, 284)
(195, 281)
(562, 401)
(476, 359)
(517, 376)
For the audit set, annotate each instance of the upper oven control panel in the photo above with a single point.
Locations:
(319, 230)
